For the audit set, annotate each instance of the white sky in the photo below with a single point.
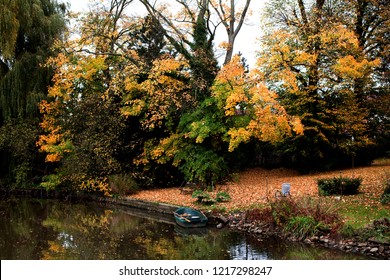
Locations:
(246, 41)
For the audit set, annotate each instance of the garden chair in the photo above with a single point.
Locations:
(284, 192)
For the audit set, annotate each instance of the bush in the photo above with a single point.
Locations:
(302, 227)
(379, 230)
(385, 198)
(205, 198)
(300, 219)
(222, 197)
(202, 197)
(348, 231)
(304, 218)
(339, 186)
(123, 184)
(257, 215)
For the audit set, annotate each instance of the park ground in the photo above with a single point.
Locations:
(254, 187)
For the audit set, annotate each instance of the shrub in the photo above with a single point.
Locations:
(338, 185)
(302, 226)
(385, 197)
(123, 184)
(303, 218)
(52, 181)
(222, 197)
(205, 198)
(379, 230)
(202, 197)
(348, 231)
(96, 185)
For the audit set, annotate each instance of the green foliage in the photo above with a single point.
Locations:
(199, 164)
(27, 32)
(385, 197)
(18, 155)
(358, 216)
(123, 184)
(222, 197)
(348, 231)
(304, 218)
(22, 175)
(378, 230)
(51, 181)
(203, 197)
(302, 227)
(201, 158)
(339, 186)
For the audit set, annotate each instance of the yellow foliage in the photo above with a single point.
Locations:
(53, 157)
(133, 107)
(96, 185)
(237, 136)
(268, 119)
(165, 89)
(230, 87)
(224, 45)
(349, 67)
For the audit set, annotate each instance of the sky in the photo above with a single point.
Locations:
(246, 41)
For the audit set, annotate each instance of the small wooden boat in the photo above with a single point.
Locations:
(190, 218)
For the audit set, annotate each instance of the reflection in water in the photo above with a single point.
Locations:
(49, 229)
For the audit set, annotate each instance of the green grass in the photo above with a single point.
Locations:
(359, 216)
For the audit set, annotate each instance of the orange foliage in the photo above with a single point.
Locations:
(257, 185)
(165, 90)
(268, 120)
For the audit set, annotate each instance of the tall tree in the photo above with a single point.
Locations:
(27, 32)
(84, 134)
(371, 23)
(313, 60)
(28, 29)
(232, 20)
(115, 87)
(192, 35)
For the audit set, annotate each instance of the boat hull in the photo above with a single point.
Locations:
(190, 218)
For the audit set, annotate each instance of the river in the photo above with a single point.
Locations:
(32, 229)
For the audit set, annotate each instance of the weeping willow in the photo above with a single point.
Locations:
(28, 29)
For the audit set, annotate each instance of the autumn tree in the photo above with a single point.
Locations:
(115, 89)
(191, 34)
(240, 110)
(371, 23)
(84, 132)
(27, 31)
(312, 60)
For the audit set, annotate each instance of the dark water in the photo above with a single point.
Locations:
(49, 229)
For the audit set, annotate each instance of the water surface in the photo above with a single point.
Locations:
(50, 229)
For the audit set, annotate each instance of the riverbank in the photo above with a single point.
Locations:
(255, 188)
(238, 221)
(370, 247)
